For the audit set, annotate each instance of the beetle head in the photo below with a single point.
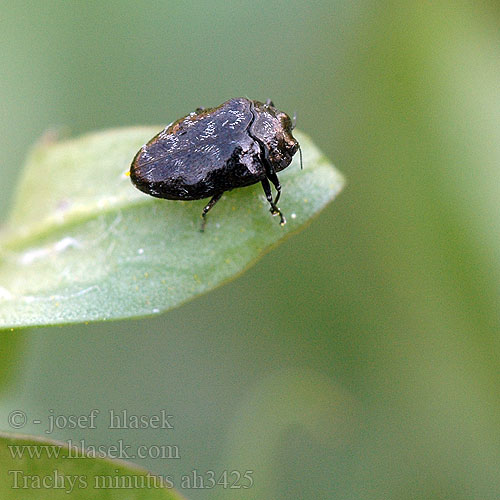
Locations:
(273, 130)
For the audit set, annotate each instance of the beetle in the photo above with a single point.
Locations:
(213, 150)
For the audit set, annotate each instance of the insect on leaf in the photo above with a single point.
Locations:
(82, 244)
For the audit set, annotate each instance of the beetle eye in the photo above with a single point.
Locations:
(285, 121)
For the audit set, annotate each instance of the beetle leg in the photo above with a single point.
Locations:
(269, 196)
(273, 177)
(269, 103)
(207, 208)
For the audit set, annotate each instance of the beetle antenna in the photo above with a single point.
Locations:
(300, 153)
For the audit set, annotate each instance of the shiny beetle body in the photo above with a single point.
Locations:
(213, 150)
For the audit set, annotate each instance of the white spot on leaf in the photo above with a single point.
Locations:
(35, 254)
(5, 294)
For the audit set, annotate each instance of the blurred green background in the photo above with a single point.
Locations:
(360, 359)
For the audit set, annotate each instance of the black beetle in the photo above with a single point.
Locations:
(239, 143)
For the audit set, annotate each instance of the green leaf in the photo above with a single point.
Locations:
(83, 244)
(53, 471)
